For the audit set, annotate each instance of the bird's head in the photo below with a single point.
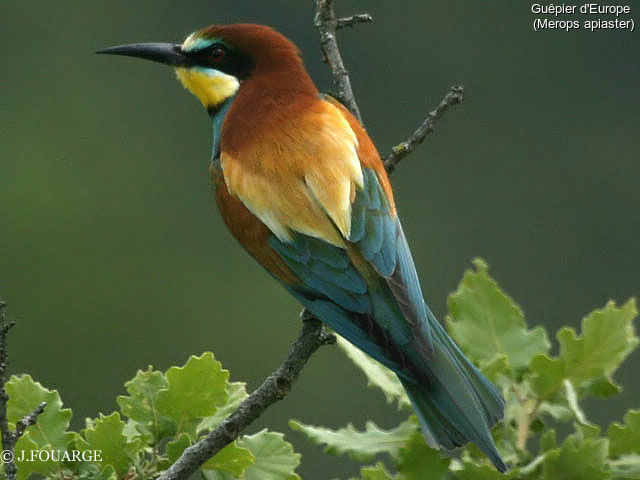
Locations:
(213, 63)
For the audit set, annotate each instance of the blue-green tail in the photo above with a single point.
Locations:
(370, 294)
(457, 404)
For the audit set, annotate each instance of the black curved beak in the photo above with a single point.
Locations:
(167, 53)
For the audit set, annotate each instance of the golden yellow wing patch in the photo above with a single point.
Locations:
(300, 175)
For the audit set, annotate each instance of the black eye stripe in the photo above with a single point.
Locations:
(224, 59)
(218, 53)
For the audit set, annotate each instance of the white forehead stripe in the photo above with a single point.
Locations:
(193, 43)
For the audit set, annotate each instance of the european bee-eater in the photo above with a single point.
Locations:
(301, 186)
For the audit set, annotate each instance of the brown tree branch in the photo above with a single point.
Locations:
(353, 20)
(326, 22)
(10, 438)
(28, 420)
(277, 385)
(8, 444)
(401, 150)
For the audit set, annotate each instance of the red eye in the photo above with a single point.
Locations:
(217, 54)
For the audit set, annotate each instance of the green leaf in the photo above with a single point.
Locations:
(577, 458)
(627, 467)
(565, 406)
(548, 440)
(376, 472)
(274, 457)
(140, 405)
(50, 430)
(572, 401)
(232, 459)
(588, 431)
(625, 438)
(496, 367)
(29, 465)
(558, 411)
(106, 435)
(217, 475)
(416, 457)
(532, 466)
(176, 446)
(607, 338)
(236, 392)
(107, 473)
(486, 322)
(473, 471)
(361, 446)
(603, 387)
(377, 374)
(193, 391)
(87, 471)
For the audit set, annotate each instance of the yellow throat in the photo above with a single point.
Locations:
(210, 86)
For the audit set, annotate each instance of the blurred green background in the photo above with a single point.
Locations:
(113, 257)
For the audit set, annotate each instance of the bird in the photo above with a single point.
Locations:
(301, 186)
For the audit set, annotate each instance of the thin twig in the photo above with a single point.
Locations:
(528, 410)
(353, 20)
(10, 469)
(275, 387)
(10, 438)
(28, 420)
(453, 97)
(326, 22)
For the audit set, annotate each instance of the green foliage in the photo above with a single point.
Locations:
(194, 391)
(416, 457)
(588, 361)
(274, 457)
(232, 459)
(105, 434)
(361, 446)
(377, 375)
(163, 413)
(49, 433)
(625, 439)
(375, 472)
(489, 326)
(542, 391)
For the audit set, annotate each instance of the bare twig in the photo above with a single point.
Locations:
(353, 20)
(453, 97)
(28, 420)
(326, 22)
(275, 387)
(7, 434)
(10, 438)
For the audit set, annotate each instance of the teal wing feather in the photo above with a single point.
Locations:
(381, 241)
(325, 270)
(383, 313)
(333, 290)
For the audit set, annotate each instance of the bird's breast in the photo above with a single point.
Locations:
(247, 229)
(297, 170)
